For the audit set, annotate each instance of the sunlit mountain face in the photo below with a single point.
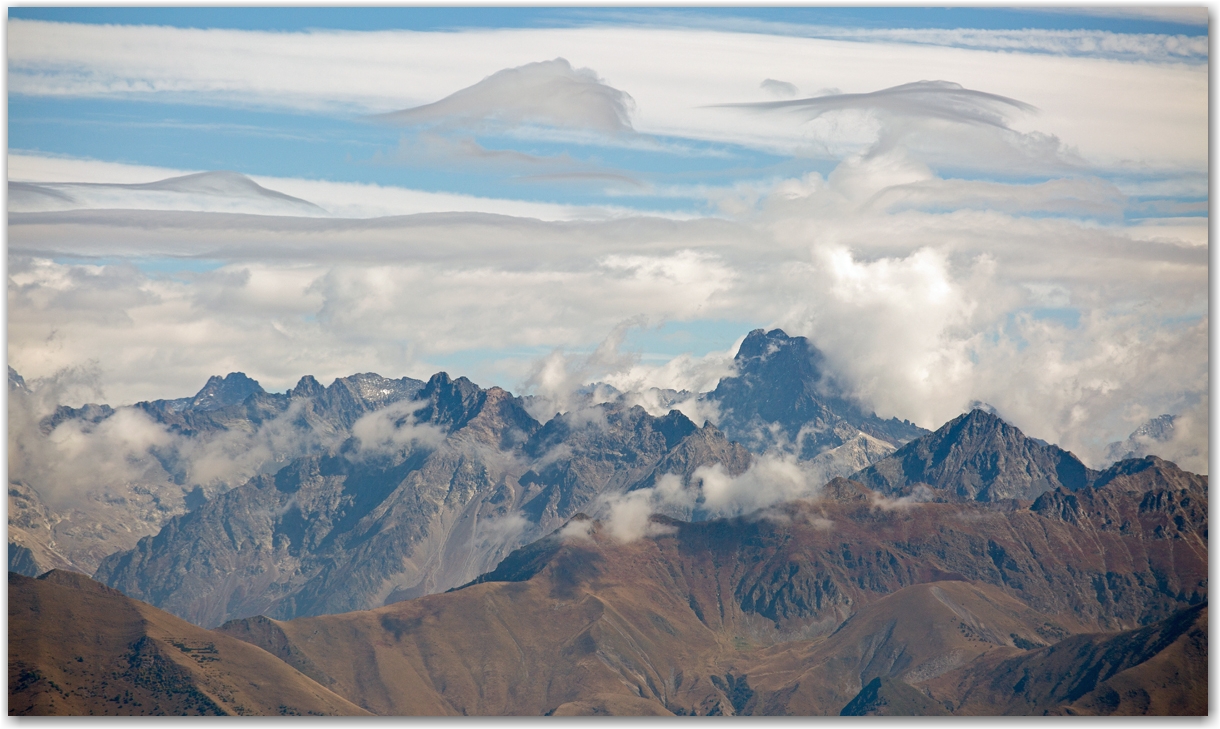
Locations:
(736, 333)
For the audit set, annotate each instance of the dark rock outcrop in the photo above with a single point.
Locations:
(885, 696)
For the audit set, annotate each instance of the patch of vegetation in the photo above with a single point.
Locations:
(24, 680)
(1023, 643)
(150, 670)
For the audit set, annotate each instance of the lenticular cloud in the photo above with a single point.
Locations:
(943, 100)
(551, 93)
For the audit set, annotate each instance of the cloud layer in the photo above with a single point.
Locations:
(1146, 111)
(1074, 330)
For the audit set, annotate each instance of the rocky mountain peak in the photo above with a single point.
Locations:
(307, 386)
(1151, 434)
(979, 457)
(232, 389)
(674, 426)
(450, 403)
(501, 419)
(783, 395)
(777, 379)
(777, 348)
(1149, 473)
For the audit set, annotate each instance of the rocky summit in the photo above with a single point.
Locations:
(977, 456)
(784, 394)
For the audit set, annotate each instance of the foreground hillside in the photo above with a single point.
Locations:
(77, 647)
(797, 612)
(1087, 602)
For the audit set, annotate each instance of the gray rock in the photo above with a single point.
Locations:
(977, 457)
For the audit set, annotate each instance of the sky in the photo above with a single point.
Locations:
(956, 205)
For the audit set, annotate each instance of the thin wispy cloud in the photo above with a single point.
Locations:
(1081, 42)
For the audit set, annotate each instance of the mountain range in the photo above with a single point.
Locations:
(396, 542)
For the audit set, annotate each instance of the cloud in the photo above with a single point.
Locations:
(1146, 110)
(943, 100)
(710, 492)
(939, 123)
(1080, 42)
(561, 382)
(428, 149)
(921, 494)
(111, 185)
(225, 192)
(769, 480)
(557, 378)
(781, 89)
(1085, 198)
(392, 429)
(1147, 47)
(80, 459)
(627, 515)
(1190, 445)
(577, 530)
(546, 92)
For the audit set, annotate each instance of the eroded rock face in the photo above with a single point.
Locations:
(231, 423)
(1160, 669)
(846, 551)
(468, 477)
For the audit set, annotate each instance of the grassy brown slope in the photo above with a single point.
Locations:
(599, 623)
(911, 635)
(599, 627)
(737, 615)
(77, 647)
(801, 572)
(1157, 670)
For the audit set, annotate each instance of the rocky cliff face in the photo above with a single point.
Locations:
(783, 396)
(236, 402)
(978, 457)
(424, 500)
(199, 446)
